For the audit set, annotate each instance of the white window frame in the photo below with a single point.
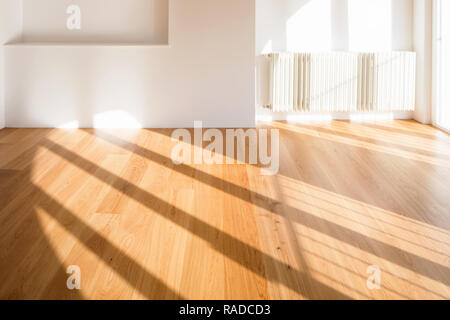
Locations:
(436, 21)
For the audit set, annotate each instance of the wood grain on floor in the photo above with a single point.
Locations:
(348, 195)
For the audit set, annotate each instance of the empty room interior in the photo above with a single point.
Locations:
(224, 149)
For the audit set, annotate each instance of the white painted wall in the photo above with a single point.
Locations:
(423, 46)
(270, 26)
(10, 30)
(338, 25)
(207, 73)
(403, 25)
(127, 21)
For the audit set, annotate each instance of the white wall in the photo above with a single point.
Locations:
(10, 30)
(340, 25)
(207, 73)
(270, 26)
(101, 21)
(423, 47)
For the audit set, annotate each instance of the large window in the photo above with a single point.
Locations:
(441, 105)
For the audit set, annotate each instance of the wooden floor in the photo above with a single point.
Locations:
(347, 196)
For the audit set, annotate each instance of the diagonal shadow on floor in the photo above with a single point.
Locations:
(238, 251)
(423, 266)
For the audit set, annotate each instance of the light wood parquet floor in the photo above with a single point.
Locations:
(348, 196)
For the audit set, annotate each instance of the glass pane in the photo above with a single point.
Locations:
(443, 64)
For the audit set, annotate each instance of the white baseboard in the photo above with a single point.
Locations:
(267, 115)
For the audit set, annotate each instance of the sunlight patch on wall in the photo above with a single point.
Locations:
(310, 28)
(115, 119)
(370, 25)
(70, 125)
(268, 47)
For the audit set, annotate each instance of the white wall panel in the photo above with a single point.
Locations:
(206, 73)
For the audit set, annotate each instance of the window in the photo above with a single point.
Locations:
(441, 37)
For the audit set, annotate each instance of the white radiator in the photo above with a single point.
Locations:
(336, 82)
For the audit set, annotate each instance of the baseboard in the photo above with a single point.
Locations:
(267, 115)
(164, 125)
